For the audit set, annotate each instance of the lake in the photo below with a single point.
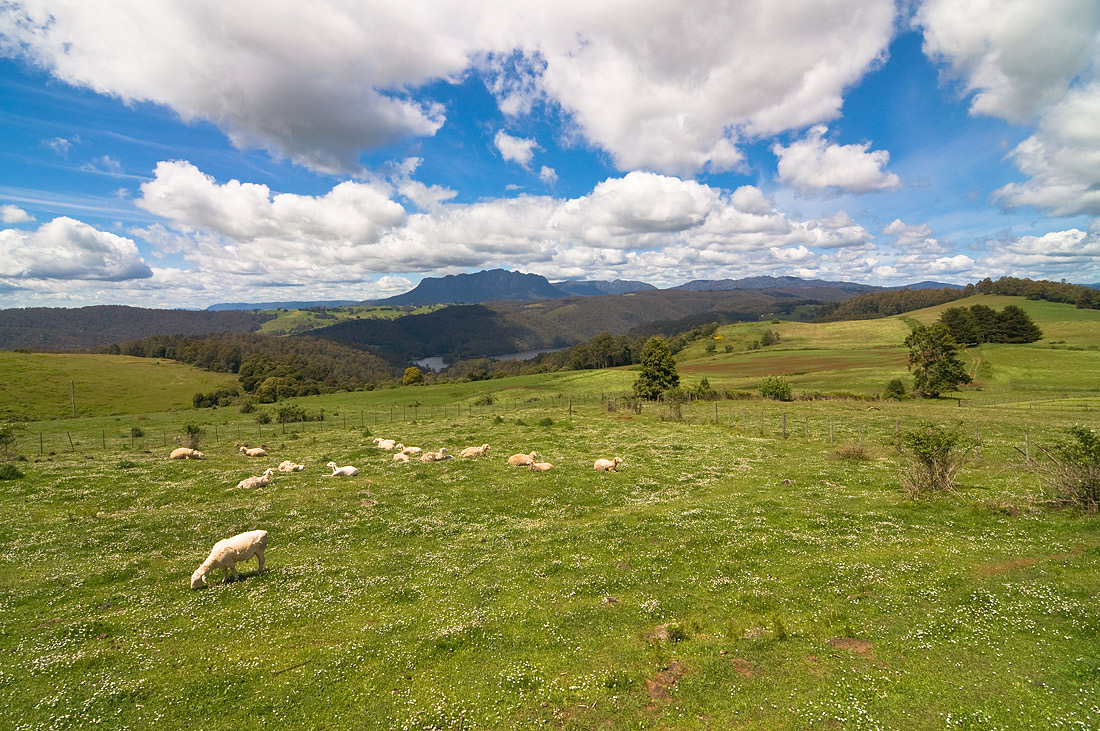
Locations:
(436, 363)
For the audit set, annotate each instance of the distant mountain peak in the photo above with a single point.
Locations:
(484, 286)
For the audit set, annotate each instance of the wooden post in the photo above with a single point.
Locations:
(72, 387)
(715, 412)
(40, 445)
(806, 428)
(71, 445)
(570, 405)
(1027, 447)
(784, 424)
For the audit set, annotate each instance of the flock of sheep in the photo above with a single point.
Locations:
(227, 553)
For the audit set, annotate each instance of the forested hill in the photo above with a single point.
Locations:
(91, 328)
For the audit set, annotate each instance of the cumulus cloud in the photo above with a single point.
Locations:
(548, 175)
(1026, 62)
(67, 249)
(637, 225)
(515, 149)
(14, 214)
(656, 85)
(815, 164)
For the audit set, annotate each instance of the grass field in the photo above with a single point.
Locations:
(727, 577)
(299, 321)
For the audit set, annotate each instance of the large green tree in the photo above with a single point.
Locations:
(658, 370)
(933, 360)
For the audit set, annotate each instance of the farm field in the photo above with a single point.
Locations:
(753, 564)
(304, 320)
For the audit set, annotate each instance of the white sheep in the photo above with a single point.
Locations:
(400, 457)
(607, 465)
(411, 451)
(523, 460)
(254, 452)
(348, 471)
(474, 451)
(186, 453)
(251, 483)
(540, 467)
(435, 456)
(288, 466)
(228, 552)
(387, 444)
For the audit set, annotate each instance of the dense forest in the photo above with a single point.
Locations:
(90, 328)
(269, 367)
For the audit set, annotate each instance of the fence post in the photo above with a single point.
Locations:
(784, 424)
(40, 447)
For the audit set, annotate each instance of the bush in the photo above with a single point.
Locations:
(192, 435)
(1073, 473)
(854, 452)
(262, 417)
(545, 421)
(291, 414)
(485, 399)
(895, 389)
(9, 472)
(935, 455)
(137, 432)
(776, 388)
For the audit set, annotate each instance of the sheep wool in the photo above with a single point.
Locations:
(186, 453)
(348, 471)
(254, 452)
(522, 460)
(474, 451)
(251, 483)
(607, 465)
(228, 552)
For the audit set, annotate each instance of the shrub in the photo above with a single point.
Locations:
(1073, 472)
(895, 389)
(776, 388)
(192, 435)
(246, 406)
(137, 432)
(855, 452)
(545, 421)
(262, 417)
(485, 399)
(7, 438)
(290, 414)
(935, 454)
(9, 472)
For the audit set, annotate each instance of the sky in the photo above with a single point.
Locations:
(172, 153)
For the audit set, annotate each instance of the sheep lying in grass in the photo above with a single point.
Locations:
(400, 457)
(435, 456)
(348, 471)
(607, 465)
(251, 483)
(228, 552)
(523, 460)
(540, 467)
(253, 452)
(288, 466)
(387, 444)
(186, 453)
(474, 451)
(410, 451)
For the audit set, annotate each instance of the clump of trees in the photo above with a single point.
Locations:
(933, 360)
(981, 324)
(658, 370)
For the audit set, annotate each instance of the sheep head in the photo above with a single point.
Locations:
(198, 579)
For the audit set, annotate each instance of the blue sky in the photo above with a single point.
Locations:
(184, 154)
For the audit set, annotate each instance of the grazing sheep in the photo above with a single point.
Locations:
(251, 483)
(400, 457)
(288, 466)
(228, 552)
(607, 465)
(522, 460)
(186, 453)
(348, 471)
(540, 467)
(387, 444)
(435, 456)
(474, 451)
(254, 452)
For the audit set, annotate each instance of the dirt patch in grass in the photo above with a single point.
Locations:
(657, 687)
(851, 644)
(742, 667)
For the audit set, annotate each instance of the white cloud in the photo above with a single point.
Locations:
(814, 164)
(67, 249)
(515, 149)
(1025, 61)
(656, 85)
(548, 175)
(1016, 56)
(14, 214)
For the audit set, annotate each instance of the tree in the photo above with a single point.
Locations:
(1014, 325)
(776, 388)
(933, 360)
(413, 376)
(960, 321)
(658, 370)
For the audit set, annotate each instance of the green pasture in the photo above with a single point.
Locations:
(299, 321)
(727, 577)
(42, 385)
